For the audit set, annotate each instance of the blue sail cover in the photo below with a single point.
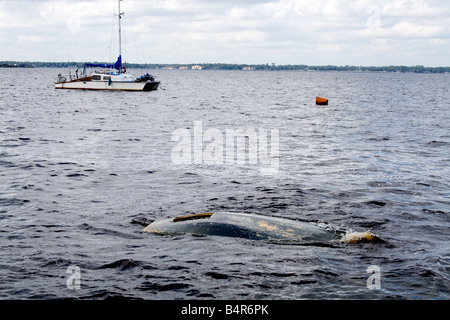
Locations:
(116, 65)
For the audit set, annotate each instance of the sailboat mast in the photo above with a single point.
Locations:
(120, 36)
(120, 31)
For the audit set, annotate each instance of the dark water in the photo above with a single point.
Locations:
(79, 170)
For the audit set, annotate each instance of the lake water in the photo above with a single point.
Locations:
(81, 171)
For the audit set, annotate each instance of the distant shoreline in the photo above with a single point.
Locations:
(244, 67)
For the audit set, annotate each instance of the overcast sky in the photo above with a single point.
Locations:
(312, 32)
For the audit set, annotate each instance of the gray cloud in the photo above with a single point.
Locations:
(363, 32)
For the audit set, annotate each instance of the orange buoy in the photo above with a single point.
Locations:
(321, 101)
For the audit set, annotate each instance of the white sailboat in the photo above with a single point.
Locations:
(109, 77)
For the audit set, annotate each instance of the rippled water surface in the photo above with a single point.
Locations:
(80, 171)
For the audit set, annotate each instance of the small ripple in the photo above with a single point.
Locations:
(156, 287)
(123, 264)
(7, 164)
(376, 203)
(435, 143)
(13, 201)
(76, 175)
(107, 232)
(216, 275)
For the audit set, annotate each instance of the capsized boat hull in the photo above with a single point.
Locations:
(243, 225)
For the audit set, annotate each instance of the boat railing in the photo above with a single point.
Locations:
(109, 72)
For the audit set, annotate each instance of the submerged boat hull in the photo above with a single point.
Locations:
(105, 85)
(243, 225)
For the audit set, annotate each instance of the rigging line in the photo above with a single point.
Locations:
(89, 39)
(76, 26)
(71, 63)
(135, 38)
(111, 43)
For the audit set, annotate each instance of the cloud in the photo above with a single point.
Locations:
(245, 31)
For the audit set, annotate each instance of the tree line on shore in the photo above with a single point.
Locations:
(230, 66)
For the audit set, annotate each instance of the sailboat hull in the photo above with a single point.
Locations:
(151, 86)
(104, 85)
(114, 78)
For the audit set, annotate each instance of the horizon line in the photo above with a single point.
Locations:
(221, 63)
